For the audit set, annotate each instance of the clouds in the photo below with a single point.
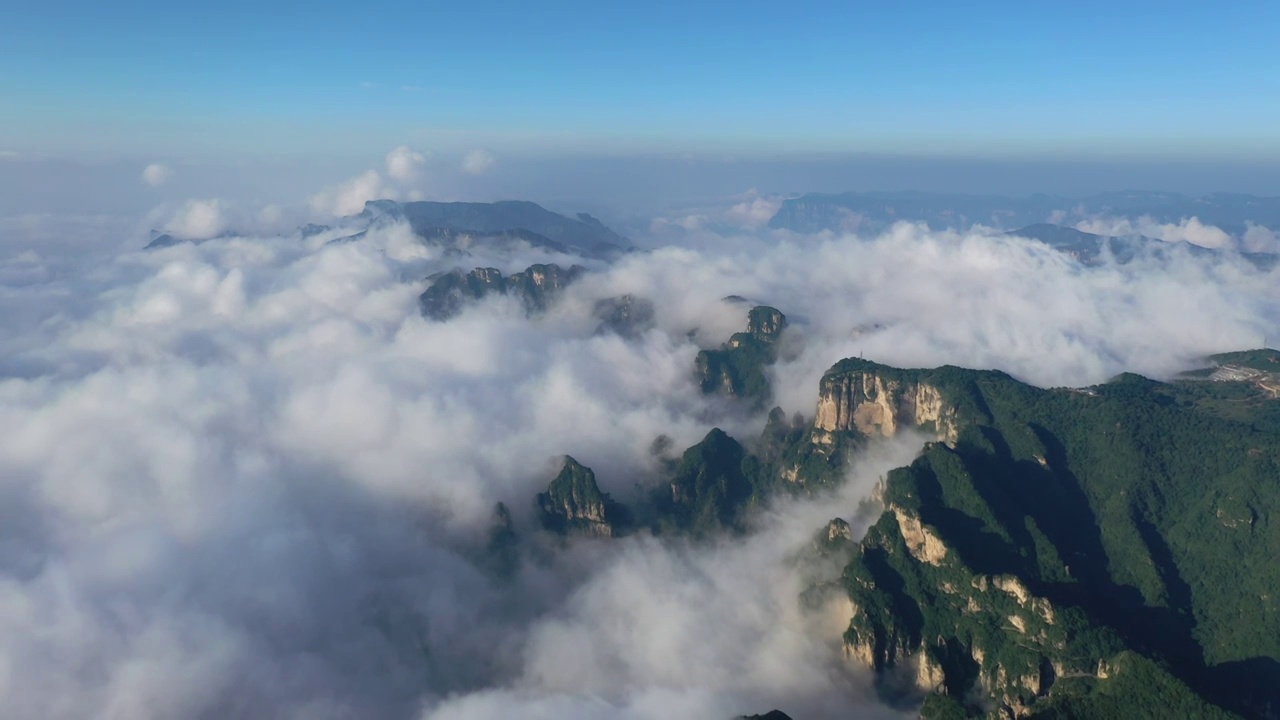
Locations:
(404, 163)
(198, 219)
(245, 477)
(404, 167)
(157, 174)
(753, 213)
(349, 197)
(1257, 238)
(1188, 230)
(478, 162)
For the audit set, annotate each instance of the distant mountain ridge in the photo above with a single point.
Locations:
(528, 221)
(874, 211)
(1091, 249)
(462, 226)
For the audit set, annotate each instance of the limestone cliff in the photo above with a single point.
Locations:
(573, 504)
(872, 404)
(1052, 555)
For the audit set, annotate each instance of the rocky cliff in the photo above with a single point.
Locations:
(1062, 553)
(573, 504)
(737, 368)
(537, 287)
(871, 404)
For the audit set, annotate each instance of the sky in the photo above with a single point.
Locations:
(992, 79)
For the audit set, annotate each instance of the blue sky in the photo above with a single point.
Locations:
(982, 78)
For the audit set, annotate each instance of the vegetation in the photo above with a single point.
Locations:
(738, 367)
(1135, 517)
(537, 287)
(1096, 553)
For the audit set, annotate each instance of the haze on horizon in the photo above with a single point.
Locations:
(634, 105)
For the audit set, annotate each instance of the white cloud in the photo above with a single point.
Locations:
(349, 198)
(1258, 238)
(404, 163)
(9, 155)
(157, 174)
(1190, 230)
(478, 162)
(753, 213)
(198, 219)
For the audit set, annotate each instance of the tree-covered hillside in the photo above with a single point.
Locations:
(1066, 542)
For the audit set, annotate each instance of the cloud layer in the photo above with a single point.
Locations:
(478, 162)
(157, 174)
(245, 477)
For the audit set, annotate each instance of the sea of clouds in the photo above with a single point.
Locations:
(245, 478)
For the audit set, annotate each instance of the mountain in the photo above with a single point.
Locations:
(626, 315)
(1104, 552)
(573, 504)
(873, 212)
(1101, 552)
(737, 368)
(876, 211)
(1091, 249)
(537, 287)
(464, 226)
(460, 224)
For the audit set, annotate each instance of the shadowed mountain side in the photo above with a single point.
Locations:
(1061, 544)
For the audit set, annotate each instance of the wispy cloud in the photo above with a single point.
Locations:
(404, 163)
(157, 174)
(349, 197)
(478, 162)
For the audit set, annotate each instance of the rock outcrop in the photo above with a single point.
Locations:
(627, 315)
(709, 488)
(536, 287)
(737, 368)
(874, 405)
(574, 505)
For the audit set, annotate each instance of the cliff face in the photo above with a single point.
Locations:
(1062, 553)
(873, 405)
(537, 287)
(737, 368)
(573, 504)
(930, 624)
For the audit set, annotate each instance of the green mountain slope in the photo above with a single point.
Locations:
(1059, 533)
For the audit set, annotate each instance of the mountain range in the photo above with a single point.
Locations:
(1101, 552)
(460, 227)
(875, 211)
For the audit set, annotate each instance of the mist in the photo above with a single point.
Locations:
(246, 478)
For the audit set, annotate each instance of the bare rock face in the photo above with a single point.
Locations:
(873, 405)
(573, 504)
(765, 323)
(922, 542)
